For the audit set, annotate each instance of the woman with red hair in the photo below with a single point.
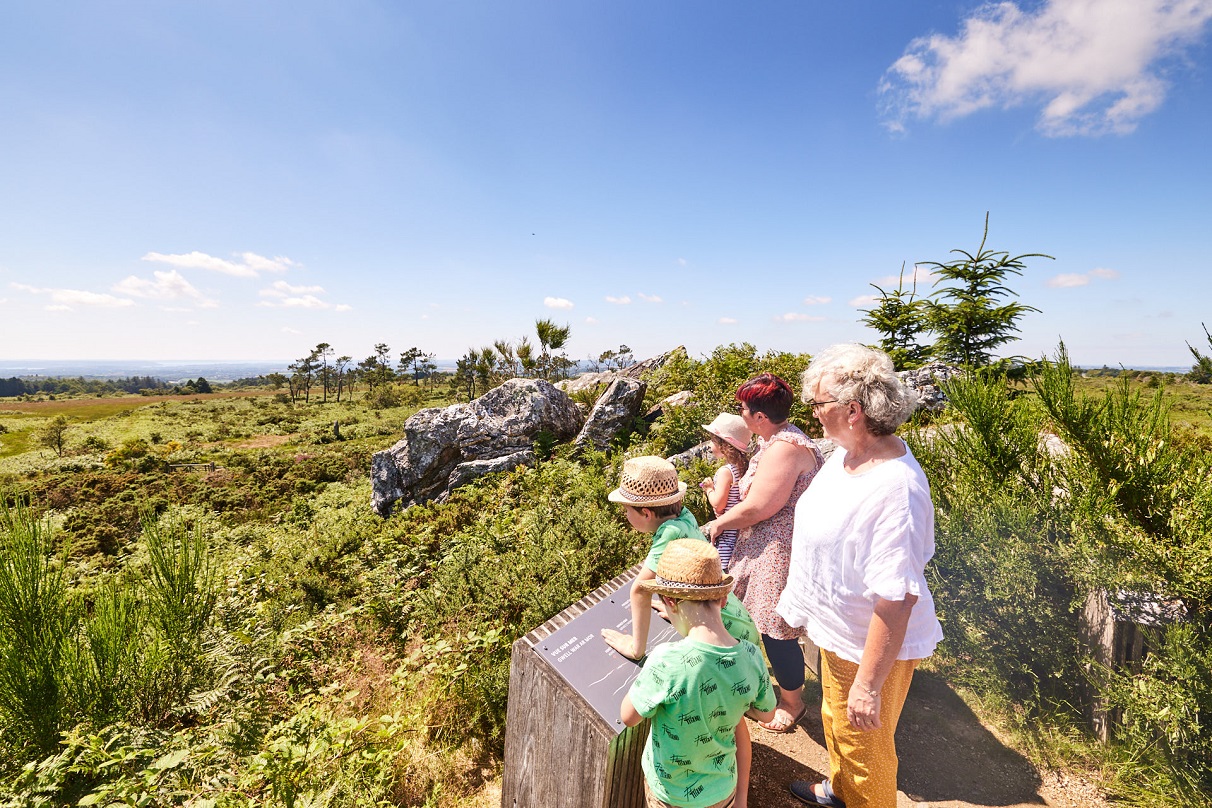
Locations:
(782, 468)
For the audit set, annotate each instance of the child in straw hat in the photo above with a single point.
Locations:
(652, 496)
(696, 690)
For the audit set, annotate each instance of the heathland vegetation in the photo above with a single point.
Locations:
(245, 631)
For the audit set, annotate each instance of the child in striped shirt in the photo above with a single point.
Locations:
(729, 442)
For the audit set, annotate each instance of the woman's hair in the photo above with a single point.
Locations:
(732, 454)
(769, 395)
(853, 372)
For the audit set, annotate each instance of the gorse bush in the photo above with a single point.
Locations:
(128, 656)
(37, 620)
(714, 382)
(1028, 528)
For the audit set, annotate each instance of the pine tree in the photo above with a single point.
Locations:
(969, 318)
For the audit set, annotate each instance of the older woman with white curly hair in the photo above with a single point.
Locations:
(864, 531)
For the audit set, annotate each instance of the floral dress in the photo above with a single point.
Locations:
(762, 555)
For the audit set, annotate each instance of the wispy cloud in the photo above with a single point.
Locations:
(797, 317)
(250, 264)
(69, 299)
(681, 262)
(1092, 66)
(284, 289)
(814, 300)
(727, 321)
(922, 276)
(169, 285)
(282, 295)
(618, 301)
(649, 298)
(558, 303)
(288, 330)
(863, 300)
(591, 320)
(1070, 280)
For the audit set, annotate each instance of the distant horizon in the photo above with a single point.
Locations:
(212, 369)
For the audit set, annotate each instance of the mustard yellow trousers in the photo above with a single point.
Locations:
(862, 765)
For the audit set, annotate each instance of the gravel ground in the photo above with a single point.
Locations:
(948, 759)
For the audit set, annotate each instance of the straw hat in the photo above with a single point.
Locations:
(689, 569)
(731, 428)
(647, 482)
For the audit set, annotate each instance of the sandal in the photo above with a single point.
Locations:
(783, 727)
(805, 792)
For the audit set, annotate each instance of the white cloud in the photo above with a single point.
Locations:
(169, 285)
(591, 320)
(921, 275)
(727, 321)
(682, 262)
(284, 289)
(251, 265)
(797, 317)
(343, 307)
(1092, 66)
(67, 299)
(863, 300)
(649, 298)
(814, 300)
(300, 302)
(1070, 280)
(618, 301)
(557, 303)
(288, 330)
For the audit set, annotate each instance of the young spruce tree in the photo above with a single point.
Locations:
(972, 315)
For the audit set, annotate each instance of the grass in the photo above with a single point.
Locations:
(330, 616)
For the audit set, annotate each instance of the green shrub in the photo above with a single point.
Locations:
(37, 619)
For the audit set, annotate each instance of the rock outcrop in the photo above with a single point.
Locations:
(925, 382)
(444, 448)
(612, 415)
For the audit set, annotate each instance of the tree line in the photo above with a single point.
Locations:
(62, 385)
(322, 373)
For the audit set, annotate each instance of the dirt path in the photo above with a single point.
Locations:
(948, 759)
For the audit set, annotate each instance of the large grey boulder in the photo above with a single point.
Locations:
(925, 382)
(446, 447)
(612, 415)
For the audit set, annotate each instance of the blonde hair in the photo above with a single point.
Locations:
(853, 372)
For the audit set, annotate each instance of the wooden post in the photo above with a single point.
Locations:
(561, 750)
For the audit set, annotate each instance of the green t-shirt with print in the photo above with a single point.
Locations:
(737, 621)
(696, 694)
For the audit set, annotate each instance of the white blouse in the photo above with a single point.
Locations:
(859, 537)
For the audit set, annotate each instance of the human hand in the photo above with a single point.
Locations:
(658, 606)
(623, 643)
(707, 484)
(707, 528)
(863, 708)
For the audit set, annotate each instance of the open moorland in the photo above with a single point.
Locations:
(222, 619)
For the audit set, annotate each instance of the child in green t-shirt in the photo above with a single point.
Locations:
(695, 690)
(652, 496)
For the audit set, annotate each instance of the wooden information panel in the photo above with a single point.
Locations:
(599, 674)
(564, 743)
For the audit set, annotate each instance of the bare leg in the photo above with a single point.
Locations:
(744, 761)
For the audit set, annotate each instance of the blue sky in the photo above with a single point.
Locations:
(234, 180)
